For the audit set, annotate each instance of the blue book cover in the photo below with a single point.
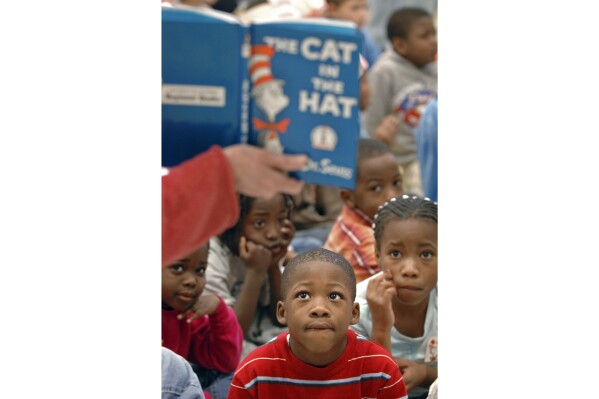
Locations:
(305, 95)
(290, 86)
(204, 82)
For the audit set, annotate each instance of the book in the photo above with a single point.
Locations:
(202, 66)
(290, 86)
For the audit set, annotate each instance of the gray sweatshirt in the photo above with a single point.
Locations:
(397, 83)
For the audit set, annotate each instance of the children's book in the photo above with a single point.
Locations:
(290, 86)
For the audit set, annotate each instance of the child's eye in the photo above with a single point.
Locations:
(335, 296)
(200, 271)
(178, 267)
(426, 255)
(395, 254)
(397, 183)
(303, 295)
(376, 189)
(259, 224)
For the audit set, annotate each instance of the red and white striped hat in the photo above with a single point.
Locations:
(260, 67)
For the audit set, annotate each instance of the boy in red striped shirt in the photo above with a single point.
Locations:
(319, 356)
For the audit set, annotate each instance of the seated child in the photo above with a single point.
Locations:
(378, 179)
(319, 357)
(245, 265)
(399, 305)
(209, 337)
(402, 81)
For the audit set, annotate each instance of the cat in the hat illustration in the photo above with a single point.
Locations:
(269, 97)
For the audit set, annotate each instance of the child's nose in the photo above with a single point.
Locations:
(273, 232)
(190, 280)
(409, 267)
(318, 309)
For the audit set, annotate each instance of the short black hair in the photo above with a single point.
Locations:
(370, 148)
(315, 255)
(400, 22)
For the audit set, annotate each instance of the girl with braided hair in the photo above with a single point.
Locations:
(398, 306)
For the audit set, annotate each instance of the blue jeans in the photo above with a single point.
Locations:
(178, 379)
(217, 384)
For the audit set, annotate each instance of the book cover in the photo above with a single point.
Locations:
(289, 86)
(305, 94)
(204, 83)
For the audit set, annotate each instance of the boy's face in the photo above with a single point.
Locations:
(351, 10)
(378, 181)
(420, 45)
(183, 281)
(408, 250)
(264, 221)
(318, 308)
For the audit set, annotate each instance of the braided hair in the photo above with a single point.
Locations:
(406, 207)
(232, 235)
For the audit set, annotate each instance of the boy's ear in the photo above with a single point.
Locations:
(355, 313)
(281, 314)
(347, 196)
(400, 45)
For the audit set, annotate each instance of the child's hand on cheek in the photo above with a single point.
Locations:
(204, 305)
(256, 257)
(379, 292)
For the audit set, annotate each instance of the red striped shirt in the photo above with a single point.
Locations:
(365, 370)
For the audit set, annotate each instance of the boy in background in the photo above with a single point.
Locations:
(378, 179)
(402, 81)
(319, 356)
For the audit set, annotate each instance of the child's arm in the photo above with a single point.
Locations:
(394, 387)
(381, 83)
(238, 390)
(416, 374)
(257, 260)
(379, 292)
(196, 204)
(387, 130)
(217, 344)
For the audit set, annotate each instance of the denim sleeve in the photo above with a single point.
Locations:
(178, 379)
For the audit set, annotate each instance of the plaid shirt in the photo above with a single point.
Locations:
(353, 238)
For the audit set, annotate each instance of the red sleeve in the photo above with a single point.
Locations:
(395, 387)
(198, 201)
(217, 345)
